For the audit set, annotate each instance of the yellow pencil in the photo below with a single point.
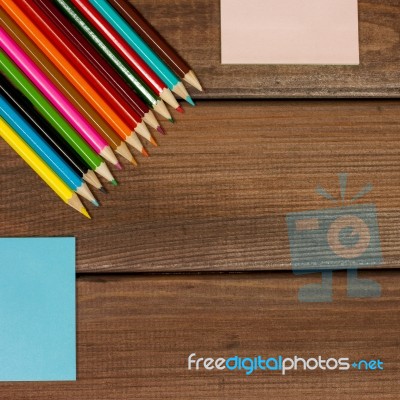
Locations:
(41, 168)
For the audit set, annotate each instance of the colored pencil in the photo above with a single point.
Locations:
(108, 73)
(52, 180)
(57, 98)
(25, 131)
(18, 79)
(65, 87)
(113, 57)
(105, 92)
(141, 47)
(158, 44)
(130, 56)
(93, 138)
(156, 41)
(47, 132)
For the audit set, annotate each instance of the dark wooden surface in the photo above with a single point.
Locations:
(213, 198)
(215, 194)
(135, 334)
(193, 27)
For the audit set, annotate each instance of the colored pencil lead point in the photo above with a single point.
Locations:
(118, 165)
(191, 78)
(96, 203)
(114, 182)
(161, 130)
(134, 162)
(84, 212)
(180, 109)
(171, 120)
(103, 190)
(153, 142)
(190, 101)
(145, 153)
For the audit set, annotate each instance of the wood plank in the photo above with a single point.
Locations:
(215, 194)
(193, 28)
(136, 333)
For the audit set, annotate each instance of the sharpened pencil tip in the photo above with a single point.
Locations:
(171, 120)
(134, 162)
(114, 182)
(180, 109)
(118, 165)
(96, 203)
(161, 130)
(190, 101)
(103, 190)
(153, 142)
(84, 212)
(145, 153)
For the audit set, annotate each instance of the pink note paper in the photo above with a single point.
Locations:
(290, 32)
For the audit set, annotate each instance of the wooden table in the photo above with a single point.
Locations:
(190, 254)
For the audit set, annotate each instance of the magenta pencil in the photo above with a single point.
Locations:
(65, 108)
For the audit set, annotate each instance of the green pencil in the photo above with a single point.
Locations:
(21, 82)
(108, 52)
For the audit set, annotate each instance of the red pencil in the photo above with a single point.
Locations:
(105, 69)
(33, 10)
(131, 57)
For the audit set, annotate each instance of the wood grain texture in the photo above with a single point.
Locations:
(135, 334)
(193, 28)
(215, 194)
(214, 197)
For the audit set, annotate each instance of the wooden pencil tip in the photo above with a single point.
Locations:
(84, 212)
(118, 165)
(153, 142)
(145, 153)
(180, 109)
(191, 78)
(134, 162)
(171, 120)
(161, 130)
(95, 203)
(103, 190)
(190, 101)
(114, 182)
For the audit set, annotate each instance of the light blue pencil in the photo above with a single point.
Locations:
(26, 132)
(142, 48)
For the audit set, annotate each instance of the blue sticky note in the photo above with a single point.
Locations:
(37, 309)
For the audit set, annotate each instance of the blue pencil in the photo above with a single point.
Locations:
(43, 150)
(142, 48)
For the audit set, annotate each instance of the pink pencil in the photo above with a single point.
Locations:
(65, 108)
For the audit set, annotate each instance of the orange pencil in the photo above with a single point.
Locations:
(73, 75)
